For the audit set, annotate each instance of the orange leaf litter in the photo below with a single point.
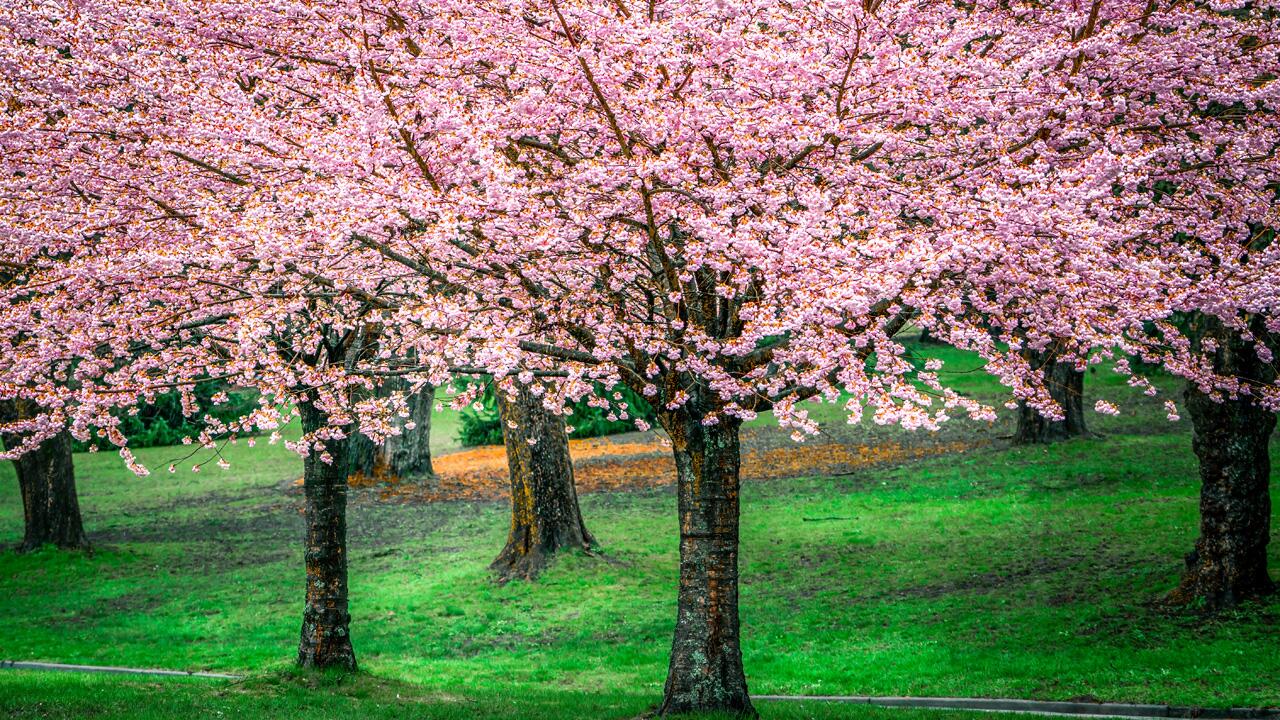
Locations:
(601, 466)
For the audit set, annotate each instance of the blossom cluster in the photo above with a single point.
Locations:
(731, 207)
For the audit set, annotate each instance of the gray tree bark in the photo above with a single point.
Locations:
(406, 456)
(1066, 387)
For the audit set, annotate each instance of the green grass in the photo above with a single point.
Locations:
(999, 572)
(964, 373)
(288, 695)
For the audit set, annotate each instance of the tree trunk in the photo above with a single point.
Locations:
(706, 673)
(47, 481)
(406, 456)
(1230, 439)
(544, 503)
(364, 458)
(1066, 387)
(326, 637)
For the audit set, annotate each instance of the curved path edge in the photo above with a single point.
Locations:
(1131, 711)
(60, 667)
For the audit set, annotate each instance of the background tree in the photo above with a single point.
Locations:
(597, 414)
(1065, 384)
(47, 480)
(545, 518)
(405, 455)
(928, 338)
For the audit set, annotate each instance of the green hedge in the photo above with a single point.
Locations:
(482, 427)
(162, 423)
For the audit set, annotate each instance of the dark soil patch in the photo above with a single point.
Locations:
(266, 523)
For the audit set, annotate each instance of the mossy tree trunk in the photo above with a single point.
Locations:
(326, 620)
(1231, 440)
(47, 483)
(1066, 386)
(545, 517)
(706, 672)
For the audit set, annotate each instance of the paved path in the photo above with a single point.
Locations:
(1131, 711)
(18, 665)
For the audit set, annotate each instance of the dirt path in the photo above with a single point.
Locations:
(643, 460)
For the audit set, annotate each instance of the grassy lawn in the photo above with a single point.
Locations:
(370, 698)
(997, 572)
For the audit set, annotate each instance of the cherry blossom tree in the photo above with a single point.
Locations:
(1180, 103)
(731, 208)
(45, 471)
(1231, 439)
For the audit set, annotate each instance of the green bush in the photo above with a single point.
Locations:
(162, 423)
(483, 427)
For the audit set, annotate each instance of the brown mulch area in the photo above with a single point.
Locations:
(641, 461)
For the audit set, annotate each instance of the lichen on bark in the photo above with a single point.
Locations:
(545, 516)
